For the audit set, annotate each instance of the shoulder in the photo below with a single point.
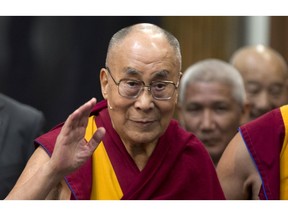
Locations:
(21, 110)
(236, 171)
(266, 131)
(268, 119)
(47, 140)
(193, 148)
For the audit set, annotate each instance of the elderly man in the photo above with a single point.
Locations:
(141, 153)
(254, 164)
(265, 76)
(212, 103)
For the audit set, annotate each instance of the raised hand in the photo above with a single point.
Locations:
(71, 149)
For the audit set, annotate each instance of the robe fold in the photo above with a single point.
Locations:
(266, 141)
(179, 168)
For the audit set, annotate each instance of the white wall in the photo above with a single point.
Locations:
(257, 30)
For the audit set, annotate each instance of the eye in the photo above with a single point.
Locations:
(159, 86)
(132, 83)
(221, 109)
(275, 90)
(253, 88)
(194, 108)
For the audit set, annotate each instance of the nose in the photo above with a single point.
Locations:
(145, 100)
(207, 122)
(262, 102)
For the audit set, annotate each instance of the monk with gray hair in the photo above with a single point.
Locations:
(212, 103)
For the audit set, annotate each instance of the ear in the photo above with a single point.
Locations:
(176, 97)
(104, 82)
(177, 90)
(245, 113)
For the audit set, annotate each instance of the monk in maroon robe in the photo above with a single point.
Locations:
(174, 170)
(254, 164)
(127, 146)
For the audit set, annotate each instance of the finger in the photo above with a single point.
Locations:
(80, 116)
(97, 137)
(84, 111)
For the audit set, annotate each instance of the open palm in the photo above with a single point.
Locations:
(71, 149)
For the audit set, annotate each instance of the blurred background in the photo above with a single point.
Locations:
(52, 62)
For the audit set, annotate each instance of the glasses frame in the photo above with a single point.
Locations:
(143, 86)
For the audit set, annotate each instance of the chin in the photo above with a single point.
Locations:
(144, 137)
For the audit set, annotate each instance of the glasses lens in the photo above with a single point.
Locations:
(162, 90)
(130, 88)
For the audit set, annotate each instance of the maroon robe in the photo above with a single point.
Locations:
(264, 139)
(180, 168)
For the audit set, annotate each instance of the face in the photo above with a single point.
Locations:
(212, 114)
(266, 87)
(144, 119)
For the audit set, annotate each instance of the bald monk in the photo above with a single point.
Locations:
(254, 163)
(141, 152)
(265, 76)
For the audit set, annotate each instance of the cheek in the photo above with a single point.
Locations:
(190, 126)
(167, 110)
(252, 97)
(279, 101)
(118, 110)
(230, 123)
(191, 122)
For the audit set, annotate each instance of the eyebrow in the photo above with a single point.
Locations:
(163, 74)
(131, 71)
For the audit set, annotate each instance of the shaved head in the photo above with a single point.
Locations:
(258, 56)
(147, 30)
(265, 76)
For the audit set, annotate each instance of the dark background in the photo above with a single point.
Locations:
(53, 63)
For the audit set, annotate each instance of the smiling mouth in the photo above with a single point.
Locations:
(143, 123)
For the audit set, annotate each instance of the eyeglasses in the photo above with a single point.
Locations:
(131, 88)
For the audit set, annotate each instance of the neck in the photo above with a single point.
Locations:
(140, 153)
